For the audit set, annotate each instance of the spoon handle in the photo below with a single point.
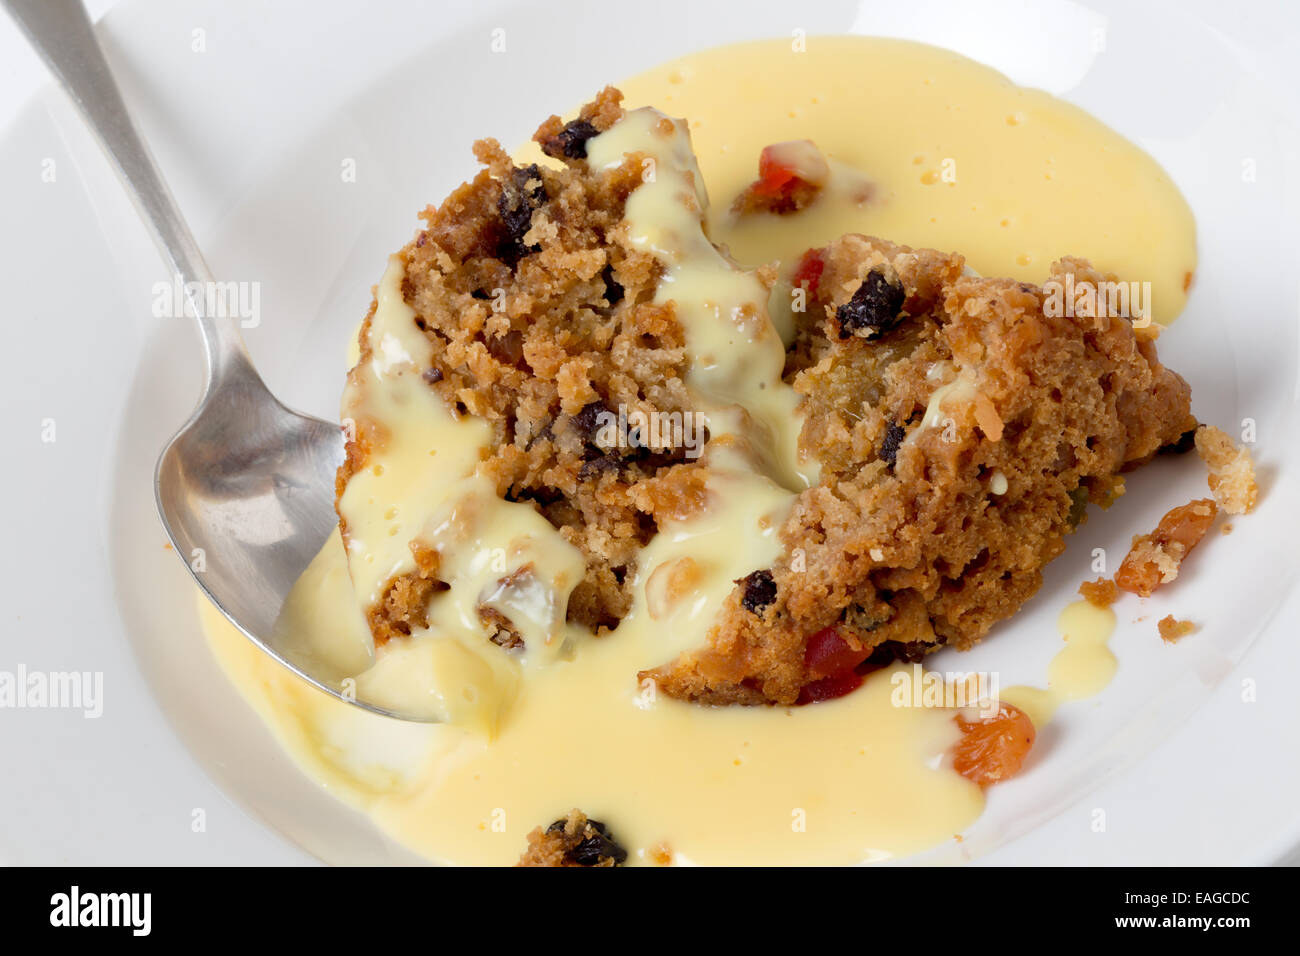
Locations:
(62, 34)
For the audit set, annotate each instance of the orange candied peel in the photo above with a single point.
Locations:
(1155, 558)
(993, 749)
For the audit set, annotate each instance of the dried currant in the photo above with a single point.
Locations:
(588, 421)
(876, 308)
(522, 194)
(894, 436)
(760, 591)
(597, 847)
(571, 141)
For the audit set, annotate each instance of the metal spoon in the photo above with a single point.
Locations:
(246, 487)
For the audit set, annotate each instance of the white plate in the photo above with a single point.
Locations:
(252, 132)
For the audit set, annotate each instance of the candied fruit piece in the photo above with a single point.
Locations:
(1188, 523)
(790, 175)
(1155, 558)
(829, 688)
(810, 269)
(797, 160)
(828, 653)
(835, 664)
(993, 749)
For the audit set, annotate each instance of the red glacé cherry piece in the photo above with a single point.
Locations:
(810, 268)
(832, 662)
(828, 688)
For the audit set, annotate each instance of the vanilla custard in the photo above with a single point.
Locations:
(924, 147)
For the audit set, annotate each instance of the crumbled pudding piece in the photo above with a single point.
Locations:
(961, 431)
(1232, 475)
(790, 177)
(1171, 630)
(1101, 592)
(573, 841)
(1155, 558)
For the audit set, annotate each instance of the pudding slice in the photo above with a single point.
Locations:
(562, 378)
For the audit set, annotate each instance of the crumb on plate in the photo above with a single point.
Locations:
(1171, 630)
(1232, 474)
(1101, 592)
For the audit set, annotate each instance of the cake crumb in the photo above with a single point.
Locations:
(1227, 528)
(1155, 558)
(1101, 593)
(1171, 631)
(573, 841)
(661, 854)
(1232, 474)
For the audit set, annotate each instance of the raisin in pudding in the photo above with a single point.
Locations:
(666, 460)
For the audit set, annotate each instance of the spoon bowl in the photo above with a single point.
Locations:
(245, 491)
